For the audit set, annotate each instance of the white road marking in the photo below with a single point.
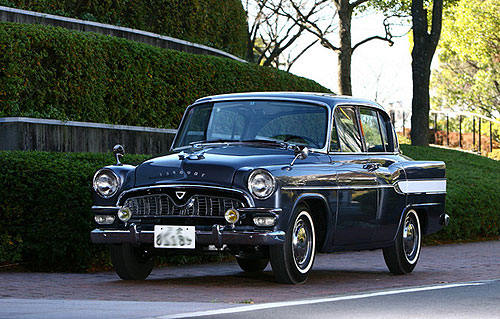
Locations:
(312, 301)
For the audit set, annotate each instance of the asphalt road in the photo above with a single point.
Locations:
(461, 300)
(350, 285)
(466, 300)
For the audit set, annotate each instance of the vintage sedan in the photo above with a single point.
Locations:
(272, 177)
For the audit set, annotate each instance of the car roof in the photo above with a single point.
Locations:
(325, 98)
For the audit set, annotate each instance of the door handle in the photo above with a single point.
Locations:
(371, 166)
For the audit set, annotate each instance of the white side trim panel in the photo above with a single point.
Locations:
(423, 186)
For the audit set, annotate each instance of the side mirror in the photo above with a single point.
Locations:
(300, 152)
(118, 152)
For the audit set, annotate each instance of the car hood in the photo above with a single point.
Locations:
(211, 165)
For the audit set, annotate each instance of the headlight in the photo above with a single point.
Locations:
(261, 184)
(106, 183)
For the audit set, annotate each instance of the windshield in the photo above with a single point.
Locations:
(239, 121)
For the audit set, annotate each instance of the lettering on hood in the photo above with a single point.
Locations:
(177, 173)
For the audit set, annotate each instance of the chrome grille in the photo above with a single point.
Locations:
(197, 205)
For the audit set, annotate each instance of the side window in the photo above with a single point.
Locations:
(386, 129)
(347, 130)
(334, 139)
(371, 130)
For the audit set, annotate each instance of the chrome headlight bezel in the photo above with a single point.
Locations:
(271, 185)
(112, 175)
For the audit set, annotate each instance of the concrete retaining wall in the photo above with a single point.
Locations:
(21, 133)
(30, 17)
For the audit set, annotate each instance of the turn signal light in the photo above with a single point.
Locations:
(104, 219)
(264, 221)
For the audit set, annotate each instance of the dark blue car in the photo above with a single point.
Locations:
(272, 177)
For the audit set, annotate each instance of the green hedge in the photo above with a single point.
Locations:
(217, 23)
(45, 201)
(473, 185)
(50, 72)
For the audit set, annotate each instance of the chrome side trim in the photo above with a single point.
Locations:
(422, 186)
(435, 186)
(335, 187)
(260, 210)
(104, 207)
(426, 204)
(248, 198)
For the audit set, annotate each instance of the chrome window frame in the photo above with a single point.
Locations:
(328, 107)
(375, 107)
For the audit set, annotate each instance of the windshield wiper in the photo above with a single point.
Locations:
(255, 141)
(270, 142)
(211, 141)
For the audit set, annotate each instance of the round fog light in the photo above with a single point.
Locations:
(232, 216)
(264, 221)
(124, 214)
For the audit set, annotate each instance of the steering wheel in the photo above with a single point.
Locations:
(307, 140)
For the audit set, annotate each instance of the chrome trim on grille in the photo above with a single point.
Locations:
(164, 205)
(249, 199)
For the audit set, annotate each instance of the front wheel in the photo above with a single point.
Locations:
(401, 258)
(292, 261)
(131, 263)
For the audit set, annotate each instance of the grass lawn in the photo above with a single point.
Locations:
(473, 193)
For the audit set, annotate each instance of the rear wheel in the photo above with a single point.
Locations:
(131, 263)
(252, 265)
(401, 258)
(292, 261)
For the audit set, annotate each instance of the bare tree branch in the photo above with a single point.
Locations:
(356, 3)
(290, 62)
(375, 37)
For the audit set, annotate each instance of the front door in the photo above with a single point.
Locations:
(357, 203)
(357, 211)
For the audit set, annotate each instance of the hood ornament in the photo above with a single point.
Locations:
(180, 195)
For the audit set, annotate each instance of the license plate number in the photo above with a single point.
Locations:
(174, 237)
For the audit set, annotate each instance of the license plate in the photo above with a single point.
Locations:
(174, 237)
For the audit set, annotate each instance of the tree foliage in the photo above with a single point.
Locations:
(469, 73)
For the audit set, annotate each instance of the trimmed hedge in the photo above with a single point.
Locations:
(49, 72)
(473, 185)
(216, 23)
(45, 201)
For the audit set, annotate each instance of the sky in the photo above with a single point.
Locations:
(379, 72)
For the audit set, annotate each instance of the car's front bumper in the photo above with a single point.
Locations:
(219, 236)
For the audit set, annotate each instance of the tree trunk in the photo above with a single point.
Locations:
(345, 52)
(420, 103)
(424, 46)
(250, 45)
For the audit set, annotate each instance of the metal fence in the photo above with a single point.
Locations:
(464, 130)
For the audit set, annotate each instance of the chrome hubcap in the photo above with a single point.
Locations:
(302, 243)
(411, 237)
